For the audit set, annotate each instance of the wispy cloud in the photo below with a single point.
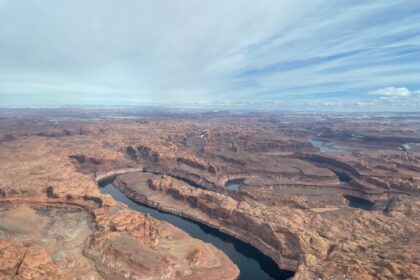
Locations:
(391, 91)
(315, 53)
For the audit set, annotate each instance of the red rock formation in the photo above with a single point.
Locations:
(291, 204)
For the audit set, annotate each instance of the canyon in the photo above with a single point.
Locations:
(323, 196)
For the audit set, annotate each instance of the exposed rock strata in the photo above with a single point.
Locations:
(289, 202)
(54, 238)
(306, 239)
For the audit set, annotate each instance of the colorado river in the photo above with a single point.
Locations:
(251, 262)
(359, 203)
(234, 184)
(323, 147)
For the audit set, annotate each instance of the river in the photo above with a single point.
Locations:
(250, 261)
(234, 184)
(323, 147)
(359, 203)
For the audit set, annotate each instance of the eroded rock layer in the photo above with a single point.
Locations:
(50, 237)
(294, 198)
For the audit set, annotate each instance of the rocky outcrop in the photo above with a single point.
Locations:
(25, 260)
(154, 153)
(77, 236)
(197, 163)
(306, 242)
(277, 242)
(291, 205)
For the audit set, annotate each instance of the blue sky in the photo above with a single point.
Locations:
(299, 55)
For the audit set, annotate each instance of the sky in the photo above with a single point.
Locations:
(277, 55)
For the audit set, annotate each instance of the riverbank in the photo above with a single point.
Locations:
(251, 262)
(245, 236)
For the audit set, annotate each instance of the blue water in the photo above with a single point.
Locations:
(234, 184)
(325, 147)
(252, 263)
(359, 203)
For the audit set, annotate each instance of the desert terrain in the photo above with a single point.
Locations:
(324, 196)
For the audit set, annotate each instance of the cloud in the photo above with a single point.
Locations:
(298, 52)
(392, 92)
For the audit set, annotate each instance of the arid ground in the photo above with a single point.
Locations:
(327, 196)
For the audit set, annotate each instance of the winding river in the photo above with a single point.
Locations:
(323, 147)
(250, 261)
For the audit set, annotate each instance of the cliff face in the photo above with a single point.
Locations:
(116, 240)
(290, 203)
(140, 246)
(54, 237)
(318, 241)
